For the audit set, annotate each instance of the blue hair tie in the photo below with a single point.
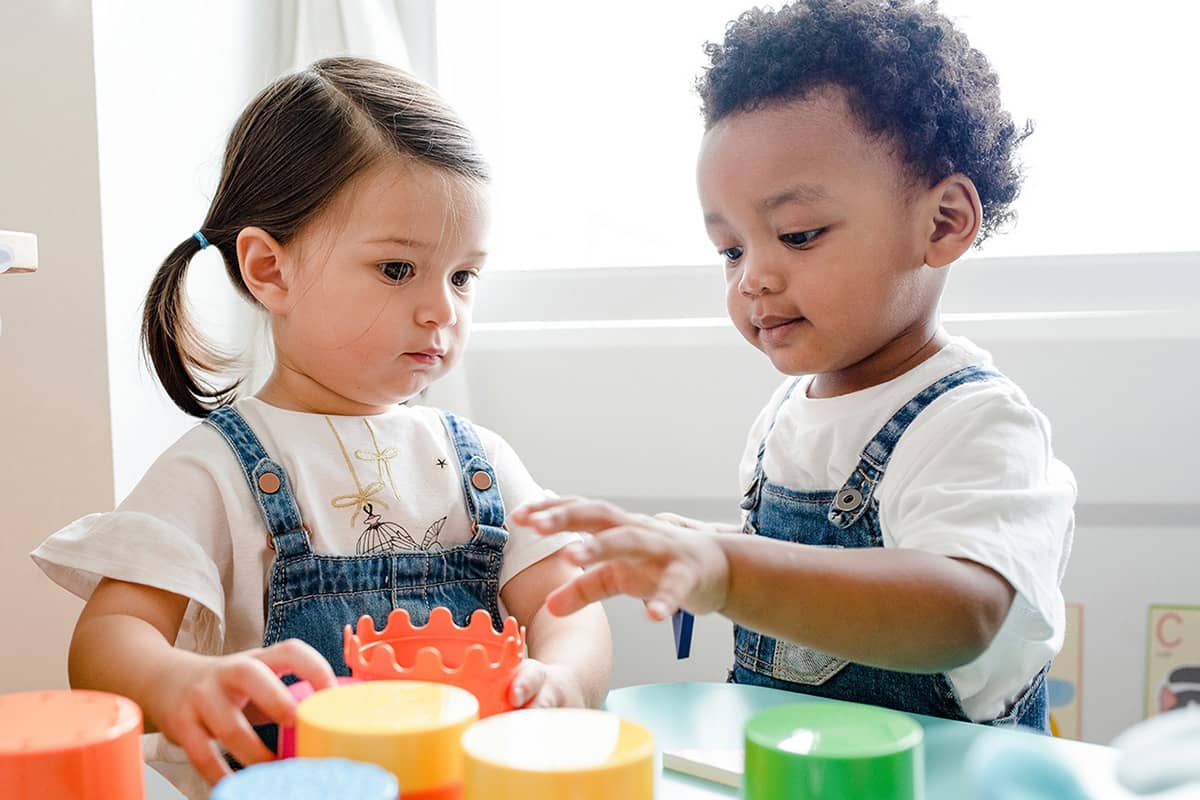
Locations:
(199, 237)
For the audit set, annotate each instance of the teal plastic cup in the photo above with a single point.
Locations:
(833, 751)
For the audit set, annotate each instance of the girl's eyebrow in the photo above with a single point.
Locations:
(419, 245)
(414, 243)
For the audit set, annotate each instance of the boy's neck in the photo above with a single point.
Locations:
(897, 357)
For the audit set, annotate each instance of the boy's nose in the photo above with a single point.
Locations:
(760, 276)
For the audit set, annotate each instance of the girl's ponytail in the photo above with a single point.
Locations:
(179, 353)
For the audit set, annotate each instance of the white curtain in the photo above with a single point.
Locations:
(313, 29)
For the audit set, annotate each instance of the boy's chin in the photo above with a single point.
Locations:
(789, 362)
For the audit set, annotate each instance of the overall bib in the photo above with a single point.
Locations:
(849, 517)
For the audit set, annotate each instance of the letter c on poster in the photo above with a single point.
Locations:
(1160, 633)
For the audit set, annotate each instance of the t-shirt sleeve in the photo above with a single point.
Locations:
(525, 546)
(983, 485)
(171, 533)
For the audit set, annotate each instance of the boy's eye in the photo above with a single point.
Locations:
(463, 278)
(731, 253)
(396, 272)
(802, 239)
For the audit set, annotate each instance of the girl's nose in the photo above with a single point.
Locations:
(436, 308)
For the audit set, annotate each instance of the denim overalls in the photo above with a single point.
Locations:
(849, 517)
(312, 596)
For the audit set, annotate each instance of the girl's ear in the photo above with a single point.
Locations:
(955, 219)
(264, 266)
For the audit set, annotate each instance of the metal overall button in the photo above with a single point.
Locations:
(481, 480)
(269, 482)
(848, 500)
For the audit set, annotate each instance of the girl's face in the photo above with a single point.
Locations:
(822, 238)
(383, 283)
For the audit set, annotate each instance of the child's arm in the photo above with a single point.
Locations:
(893, 608)
(124, 643)
(570, 658)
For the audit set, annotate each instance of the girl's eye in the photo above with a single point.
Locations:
(464, 278)
(802, 239)
(396, 272)
(731, 254)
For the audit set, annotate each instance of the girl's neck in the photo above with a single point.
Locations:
(292, 390)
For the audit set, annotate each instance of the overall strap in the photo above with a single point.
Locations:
(481, 491)
(268, 483)
(853, 499)
(754, 490)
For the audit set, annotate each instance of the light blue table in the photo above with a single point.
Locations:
(712, 715)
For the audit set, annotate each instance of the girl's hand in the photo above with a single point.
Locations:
(539, 685)
(206, 698)
(667, 566)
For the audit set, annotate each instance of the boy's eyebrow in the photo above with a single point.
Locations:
(800, 193)
(804, 193)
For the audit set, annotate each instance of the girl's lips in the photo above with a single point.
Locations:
(428, 357)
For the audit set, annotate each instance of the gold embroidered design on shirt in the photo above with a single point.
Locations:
(363, 495)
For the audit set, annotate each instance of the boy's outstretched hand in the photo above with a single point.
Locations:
(667, 565)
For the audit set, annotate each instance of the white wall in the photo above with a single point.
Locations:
(55, 446)
(170, 80)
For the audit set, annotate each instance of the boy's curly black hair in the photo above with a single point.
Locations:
(907, 73)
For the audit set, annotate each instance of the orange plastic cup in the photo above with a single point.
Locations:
(70, 745)
(477, 657)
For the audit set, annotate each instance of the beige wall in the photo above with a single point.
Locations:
(55, 439)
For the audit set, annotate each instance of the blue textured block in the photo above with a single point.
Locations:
(309, 779)
(681, 622)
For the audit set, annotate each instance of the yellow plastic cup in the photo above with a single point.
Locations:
(555, 753)
(411, 728)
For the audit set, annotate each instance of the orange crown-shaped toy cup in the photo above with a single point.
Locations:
(476, 658)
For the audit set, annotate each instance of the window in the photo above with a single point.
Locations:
(589, 117)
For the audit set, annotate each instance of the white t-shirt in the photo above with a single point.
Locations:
(973, 477)
(192, 527)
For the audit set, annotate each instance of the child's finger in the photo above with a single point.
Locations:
(302, 660)
(229, 727)
(258, 680)
(625, 541)
(587, 588)
(202, 752)
(674, 586)
(524, 510)
(590, 516)
(528, 682)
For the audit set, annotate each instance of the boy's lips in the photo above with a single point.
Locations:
(772, 321)
(774, 330)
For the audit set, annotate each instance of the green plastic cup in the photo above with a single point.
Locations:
(833, 751)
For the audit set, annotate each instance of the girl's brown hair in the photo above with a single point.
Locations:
(293, 148)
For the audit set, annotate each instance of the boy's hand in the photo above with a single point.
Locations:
(206, 698)
(540, 685)
(664, 564)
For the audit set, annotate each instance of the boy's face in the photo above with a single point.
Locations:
(823, 235)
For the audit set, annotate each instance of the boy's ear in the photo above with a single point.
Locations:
(263, 263)
(954, 223)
